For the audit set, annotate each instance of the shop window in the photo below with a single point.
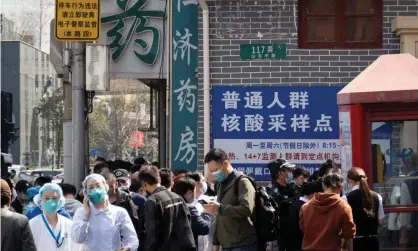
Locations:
(395, 178)
(340, 24)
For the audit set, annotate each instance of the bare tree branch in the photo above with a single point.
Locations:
(116, 117)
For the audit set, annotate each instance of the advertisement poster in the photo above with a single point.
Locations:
(258, 124)
(345, 142)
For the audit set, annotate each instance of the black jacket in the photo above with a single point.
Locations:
(167, 222)
(15, 232)
(294, 230)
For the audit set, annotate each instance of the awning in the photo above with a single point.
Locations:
(391, 78)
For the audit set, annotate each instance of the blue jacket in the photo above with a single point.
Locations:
(200, 223)
(35, 211)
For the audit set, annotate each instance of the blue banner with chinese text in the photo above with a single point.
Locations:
(257, 124)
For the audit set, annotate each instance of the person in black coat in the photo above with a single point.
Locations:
(367, 207)
(185, 187)
(307, 192)
(167, 218)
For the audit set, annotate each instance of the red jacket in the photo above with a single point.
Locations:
(325, 220)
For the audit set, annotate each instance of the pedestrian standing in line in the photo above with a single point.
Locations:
(22, 198)
(327, 219)
(52, 231)
(99, 224)
(308, 190)
(367, 207)
(32, 192)
(167, 218)
(200, 222)
(15, 231)
(234, 229)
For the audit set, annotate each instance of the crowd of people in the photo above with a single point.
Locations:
(140, 206)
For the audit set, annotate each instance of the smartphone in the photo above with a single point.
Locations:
(203, 202)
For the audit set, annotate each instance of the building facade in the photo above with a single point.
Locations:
(28, 74)
(323, 49)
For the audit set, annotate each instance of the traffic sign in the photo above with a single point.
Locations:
(77, 20)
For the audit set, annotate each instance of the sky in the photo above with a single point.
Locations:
(17, 10)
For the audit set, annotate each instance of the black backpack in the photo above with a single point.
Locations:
(266, 213)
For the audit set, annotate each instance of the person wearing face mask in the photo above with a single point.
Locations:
(167, 218)
(118, 196)
(122, 179)
(99, 224)
(200, 222)
(22, 198)
(204, 241)
(52, 231)
(32, 192)
(234, 229)
(284, 195)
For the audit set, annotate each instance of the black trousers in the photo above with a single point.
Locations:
(366, 243)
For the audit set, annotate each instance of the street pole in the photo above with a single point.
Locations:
(78, 90)
(162, 125)
(68, 133)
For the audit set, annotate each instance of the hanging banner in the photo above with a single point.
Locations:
(184, 43)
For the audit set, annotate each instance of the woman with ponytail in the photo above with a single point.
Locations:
(367, 207)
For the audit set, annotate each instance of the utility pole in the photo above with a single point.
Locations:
(79, 103)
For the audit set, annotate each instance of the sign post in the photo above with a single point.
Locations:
(184, 42)
(77, 20)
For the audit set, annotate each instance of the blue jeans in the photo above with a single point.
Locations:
(252, 247)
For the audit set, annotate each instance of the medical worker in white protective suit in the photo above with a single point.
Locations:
(52, 231)
(101, 225)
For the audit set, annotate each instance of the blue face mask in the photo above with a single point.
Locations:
(289, 178)
(204, 187)
(50, 206)
(218, 176)
(97, 195)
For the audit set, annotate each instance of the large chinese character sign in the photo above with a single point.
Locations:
(184, 41)
(258, 124)
(77, 20)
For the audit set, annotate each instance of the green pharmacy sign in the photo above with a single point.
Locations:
(136, 35)
(184, 84)
(262, 51)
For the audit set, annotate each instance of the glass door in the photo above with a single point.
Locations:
(394, 162)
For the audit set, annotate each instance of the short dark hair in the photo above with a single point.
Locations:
(135, 186)
(100, 159)
(99, 167)
(333, 180)
(68, 189)
(166, 177)
(155, 163)
(13, 171)
(135, 168)
(314, 176)
(300, 171)
(149, 174)
(140, 161)
(40, 181)
(323, 170)
(218, 155)
(310, 188)
(183, 185)
(196, 176)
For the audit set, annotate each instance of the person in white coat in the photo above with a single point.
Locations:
(51, 231)
(101, 225)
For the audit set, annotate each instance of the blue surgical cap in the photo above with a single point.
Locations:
(94, 176)
(33, 191)
(50, 187)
